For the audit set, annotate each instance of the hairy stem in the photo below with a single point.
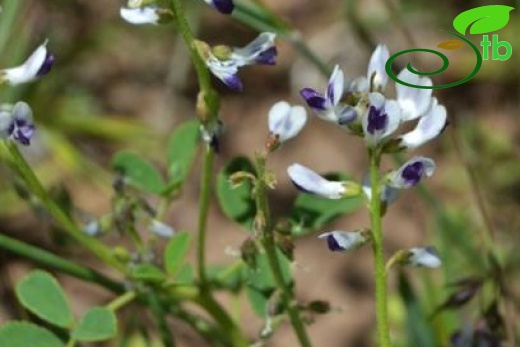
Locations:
(268, 240)
(378, 250)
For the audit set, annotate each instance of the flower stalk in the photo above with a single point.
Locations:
(269, 243)
(378, 251)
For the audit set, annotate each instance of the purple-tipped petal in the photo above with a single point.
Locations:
(47, 65)
(223, 6)
(234, 83)
(377, 120)
(340, 241)
(267, 57)
(335, 86)
(314, 99)
(309, 181)
(412, 172)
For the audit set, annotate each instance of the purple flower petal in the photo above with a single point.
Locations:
(314, 99)
(47, 65)
(223, 6)
(267, 57)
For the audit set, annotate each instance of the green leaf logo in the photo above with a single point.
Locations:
(483, 19)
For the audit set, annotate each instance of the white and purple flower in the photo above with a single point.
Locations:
(225, 65)
(140, 15)
(38, 64)
(161, 229)
(328, 106)
(411, 173)
(340, 241)
(388, 194)
(377, 78)
(223, 6)
(286, 121)
(310, 182)
(382, 119)
(17, 124)
(424, 257)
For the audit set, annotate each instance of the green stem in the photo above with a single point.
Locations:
(204, 200)
(52, 261)
(19, 164)
(122, 300)
(160, 316)
(268, 240)
(378, 250)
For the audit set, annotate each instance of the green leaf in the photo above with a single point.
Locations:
(237, 203)
(261, 276)
(182, 149)
(185, 275)
(147, 273)
(310, 212)
(258, 300)
(175, 252)
(483, 19)
(140, 172)
(41, 294)
(23, 334)
(97, 324)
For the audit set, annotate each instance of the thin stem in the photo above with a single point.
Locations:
(19, 164)
(53, 261)
(122, 300)
(268, 240)
(160, 316)
(378, 250)
(204, 200)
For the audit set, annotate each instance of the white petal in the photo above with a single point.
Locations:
(377, 66)
(248, 54)
(313, 183)
(6, 119)
(286, 121)
(22, 111)
(413, 101)
(335, 86)
(424, 257)
(430, 125)
(359, 85)
(28, 71)
(161, 229)
(139, 16)
(393, 111)
(92, 228)
(343, 240)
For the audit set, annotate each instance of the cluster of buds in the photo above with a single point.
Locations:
(16, 122)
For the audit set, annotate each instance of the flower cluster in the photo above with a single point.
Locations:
(362, 109)
(16, 122)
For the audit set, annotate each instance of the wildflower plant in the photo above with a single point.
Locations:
(148, 262)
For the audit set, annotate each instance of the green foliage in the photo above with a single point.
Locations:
(97, 324)
(261, 283)
(23, 334)
(148, 273)
(310, 213)
(41, 294)
(139, 172)
(237, 203)
(175, 252)
(182, 149)
(483, 19)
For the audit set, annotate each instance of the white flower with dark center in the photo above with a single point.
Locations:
(328, 106)
(414, 102)
(382, 119)
(161, 229)
(286, 121)
(17, 124)
(140, 15)
(310, 182)
(424, 257)
(411, 173)
(339, 241)
(261, 50)
(430, 125)
(37, 65)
